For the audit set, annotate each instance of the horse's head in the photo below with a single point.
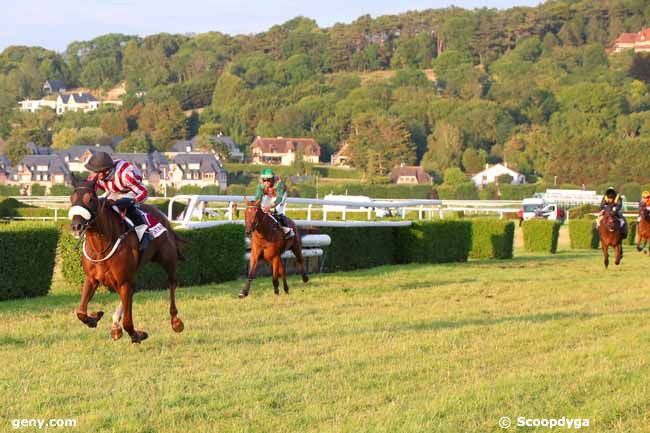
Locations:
(252, 216)
(84, 206)
(609, 219)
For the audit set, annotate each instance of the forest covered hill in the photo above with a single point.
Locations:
(536, 86)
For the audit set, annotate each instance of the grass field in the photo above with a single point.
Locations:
(418, 348)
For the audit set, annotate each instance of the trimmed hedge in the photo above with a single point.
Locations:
(434, 242)
(631, 232)
(27, 256)
(214, 255)
(583, 234)
(541, 235)
(492, 238)
(358, 247)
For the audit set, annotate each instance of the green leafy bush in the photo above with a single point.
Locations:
(582, 211)
(37, 189)
(213, 255)
(27, 256)
(492, 238)
(359, 247)
(541, 235)
(583, 234)
(434, 242)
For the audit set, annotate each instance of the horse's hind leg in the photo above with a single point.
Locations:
(87, 292)
(177, 324)
(619, 253)
(116, 329)
(297, 251)
(283, 274)
(276, 265)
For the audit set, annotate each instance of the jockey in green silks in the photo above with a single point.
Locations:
(272, 192)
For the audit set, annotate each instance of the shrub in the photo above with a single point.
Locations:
(9, 190)
(60, 190)
(582, 211)
(434, 242)
(37, 189)
(517, 192)
(541, 235)
(583, 234)
(631, 232)
(214, 255)
(25, 247)
(492, 238)
(358, 247)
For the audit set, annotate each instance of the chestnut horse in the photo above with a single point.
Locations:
(111, 256)
(643, 229)
(610, 234)
(268, 242)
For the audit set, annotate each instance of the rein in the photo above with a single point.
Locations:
(110, 254)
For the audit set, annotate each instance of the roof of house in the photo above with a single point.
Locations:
(344, 150)
(54, 163)
(79, 98)
(182, 145)
(153, 160)
(498, 168)
(411, 171)
(626, 38)
(76, 152)
(4, 162)
(207, 162)
(55, 85)
(37, 150)
(309, 146)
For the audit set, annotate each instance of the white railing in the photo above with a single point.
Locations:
(199, 203)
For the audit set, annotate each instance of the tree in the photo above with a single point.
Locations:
(115, 124)
(474, 160)
(65, 138)
(164, 122)
(454, 176)
(444, 148)
(15, 149)
(299, 163)
(379, 141)
(137, 142)
(90, 136)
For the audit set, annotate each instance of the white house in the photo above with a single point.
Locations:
(490, 175)
(283, 150)
(76, 102)
(33, 105)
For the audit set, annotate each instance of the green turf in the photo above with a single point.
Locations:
(418, 348)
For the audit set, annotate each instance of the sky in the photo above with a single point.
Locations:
(54, 25)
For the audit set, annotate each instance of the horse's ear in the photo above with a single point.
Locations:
(257, 202)
(74, 180)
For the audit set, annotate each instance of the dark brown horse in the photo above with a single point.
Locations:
(111, 256)
(268, 243)
(643, 229)
(609, 230)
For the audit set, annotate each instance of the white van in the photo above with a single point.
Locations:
(539, 208)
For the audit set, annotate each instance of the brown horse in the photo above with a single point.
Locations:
(111, 256)
(643, 229)
(268, 243)
(611, 235)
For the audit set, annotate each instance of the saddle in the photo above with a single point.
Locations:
(154, 226)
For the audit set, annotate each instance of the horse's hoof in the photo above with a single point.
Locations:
(116, 332)
(305, 278)
(243, 294)
(139, 336)
(286, 290)
(276, 290)
(177, 325)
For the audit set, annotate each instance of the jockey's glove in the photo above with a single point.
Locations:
(124, 203)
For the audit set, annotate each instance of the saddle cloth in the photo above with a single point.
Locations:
(154, 226)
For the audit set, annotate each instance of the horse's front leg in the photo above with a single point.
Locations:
(87, 292)
(606, 255)
(251, 272)
(116, 329)
(126, 295)
(619, 253)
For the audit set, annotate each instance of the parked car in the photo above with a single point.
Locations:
(539, 208)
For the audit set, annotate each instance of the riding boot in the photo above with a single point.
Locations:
(284, 223)
(140, 227)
